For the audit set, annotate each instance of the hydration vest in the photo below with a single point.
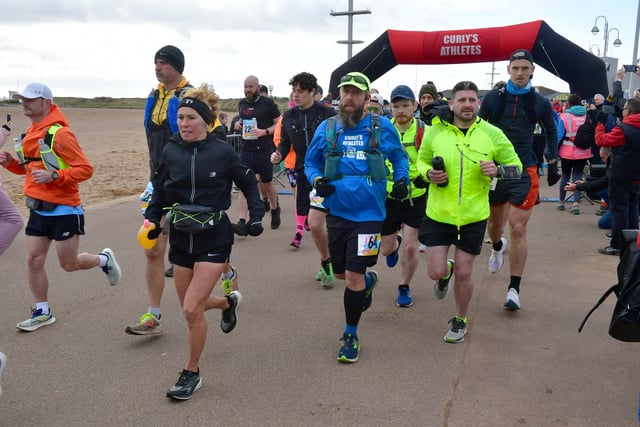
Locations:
(48, 156)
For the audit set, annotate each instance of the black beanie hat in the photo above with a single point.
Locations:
(172, 56)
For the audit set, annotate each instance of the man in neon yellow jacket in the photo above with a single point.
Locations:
(472, 153)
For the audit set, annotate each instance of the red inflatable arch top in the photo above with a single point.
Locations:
(585, 73)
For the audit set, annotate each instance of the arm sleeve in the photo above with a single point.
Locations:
(245, 179)
(314, 159)
(551, 130)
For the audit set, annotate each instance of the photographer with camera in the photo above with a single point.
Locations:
(458, 204)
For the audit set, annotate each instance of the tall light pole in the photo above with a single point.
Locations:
(595, 30)
(349, 13)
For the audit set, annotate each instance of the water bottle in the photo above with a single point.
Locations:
(143, 235)
(438, 164)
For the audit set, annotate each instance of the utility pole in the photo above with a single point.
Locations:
(349, 13)
(493, 72)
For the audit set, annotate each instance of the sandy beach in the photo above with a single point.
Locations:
(112, 139)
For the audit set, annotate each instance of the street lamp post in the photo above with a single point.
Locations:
(595, 30)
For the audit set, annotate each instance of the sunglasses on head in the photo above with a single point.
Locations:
(348, 78)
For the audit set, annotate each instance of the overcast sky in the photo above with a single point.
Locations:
(92, 48)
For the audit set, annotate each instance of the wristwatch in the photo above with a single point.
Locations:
(54, 175)
(267, 130)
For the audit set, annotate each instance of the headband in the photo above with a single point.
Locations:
(201, 108)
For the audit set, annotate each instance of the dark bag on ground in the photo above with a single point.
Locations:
(625, 321)
(195, 218)
(586, 134)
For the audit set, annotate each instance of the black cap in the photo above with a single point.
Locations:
(521, 54)
(264, 89)
(172, 56)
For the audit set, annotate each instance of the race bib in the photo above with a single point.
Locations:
(247, 129)
(368, 244)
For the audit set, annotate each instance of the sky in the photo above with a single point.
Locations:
(92, 48)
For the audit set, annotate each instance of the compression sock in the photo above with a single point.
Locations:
(353, 302)
(515, 283)
(300, 223)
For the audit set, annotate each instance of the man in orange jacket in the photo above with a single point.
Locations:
(53, 164)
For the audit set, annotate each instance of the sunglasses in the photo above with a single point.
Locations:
(347, 78)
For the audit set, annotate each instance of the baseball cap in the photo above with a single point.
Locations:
(264, 89)
(521, 54)
(376, 97)
(33, 91)
(402, 92)
(356, 79)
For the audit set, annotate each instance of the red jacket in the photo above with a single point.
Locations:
(615, 138)
(64, 190)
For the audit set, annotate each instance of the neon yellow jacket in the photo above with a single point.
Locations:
(465, 199)
(409, 145)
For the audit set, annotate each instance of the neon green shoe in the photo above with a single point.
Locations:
(230, 285)
(148, 324)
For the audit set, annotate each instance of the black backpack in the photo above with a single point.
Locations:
(586, 134)
(625, 321)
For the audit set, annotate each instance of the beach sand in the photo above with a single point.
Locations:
(114, 142)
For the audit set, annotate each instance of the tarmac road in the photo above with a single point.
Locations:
(279, 368)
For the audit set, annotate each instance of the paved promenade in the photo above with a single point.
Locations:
(279, 368)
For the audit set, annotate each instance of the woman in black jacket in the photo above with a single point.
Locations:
(193, 183)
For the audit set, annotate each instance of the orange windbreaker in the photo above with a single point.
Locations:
(290, 160)
(64, 190)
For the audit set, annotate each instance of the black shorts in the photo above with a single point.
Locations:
(353, 246)
(401, 212)
(218, 255)
(469, 239)
(522, 193)
(260, 163)
(58, 228)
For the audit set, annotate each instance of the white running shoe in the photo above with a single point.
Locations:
(495, 260)
(512, 301)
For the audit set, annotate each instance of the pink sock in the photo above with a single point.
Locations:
(300, 223)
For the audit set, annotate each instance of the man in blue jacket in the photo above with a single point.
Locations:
(345, 163)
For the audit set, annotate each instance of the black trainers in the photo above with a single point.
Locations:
(229, 316)
(275, 217)
(240, 228)
(186, 385)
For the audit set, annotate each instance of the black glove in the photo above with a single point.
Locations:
(399, 190)
(323, 187)
(7, 125)
(155, 233)
(553, 175)
(419, 182)
(255, 227)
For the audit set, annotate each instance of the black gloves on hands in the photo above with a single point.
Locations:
(553, 175)
(419, 182)
(323, 187)
(399, 190)
(255, 227)
(155, 233)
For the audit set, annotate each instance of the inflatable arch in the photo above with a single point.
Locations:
(585, 72)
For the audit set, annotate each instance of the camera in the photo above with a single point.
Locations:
(630, 68)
